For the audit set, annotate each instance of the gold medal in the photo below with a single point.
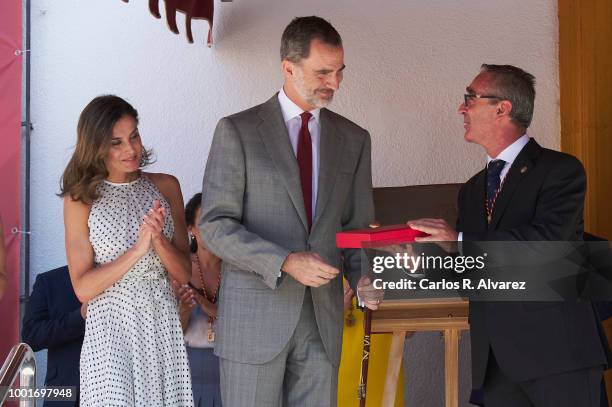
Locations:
(210, 334)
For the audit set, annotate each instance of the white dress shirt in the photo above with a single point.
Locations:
(293, 121)
(509, 154)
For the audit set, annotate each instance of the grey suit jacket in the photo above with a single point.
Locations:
(253, 216)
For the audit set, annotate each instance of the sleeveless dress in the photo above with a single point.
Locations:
(133, 352)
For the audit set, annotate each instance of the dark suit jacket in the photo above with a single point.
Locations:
(542, 199)
(53, 321)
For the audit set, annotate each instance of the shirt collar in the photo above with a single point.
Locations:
(290, 110)
(510, 153)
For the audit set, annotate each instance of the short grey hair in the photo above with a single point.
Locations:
(513, 84)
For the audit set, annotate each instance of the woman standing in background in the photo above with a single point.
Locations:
(124, 234)
(198, 310)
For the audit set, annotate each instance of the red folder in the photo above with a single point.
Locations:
(377, 237)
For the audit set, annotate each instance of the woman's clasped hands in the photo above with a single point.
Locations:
(151, 229)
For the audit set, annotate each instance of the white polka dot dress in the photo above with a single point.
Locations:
(133, 352)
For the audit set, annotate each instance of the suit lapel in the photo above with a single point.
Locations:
(521, 167)
(479, 196)
(275, 137)
(331, 143)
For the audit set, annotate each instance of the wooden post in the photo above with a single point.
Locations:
(396, 352)
(451, 367)
(403, 318)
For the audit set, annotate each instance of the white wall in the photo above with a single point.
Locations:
(408, 63)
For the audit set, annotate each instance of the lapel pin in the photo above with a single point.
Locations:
(524, 170)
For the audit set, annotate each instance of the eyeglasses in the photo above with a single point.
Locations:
(469, 96)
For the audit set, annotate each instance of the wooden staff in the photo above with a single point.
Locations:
(363, 380)
(367, 332)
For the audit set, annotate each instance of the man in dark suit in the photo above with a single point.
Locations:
(55, 320)
(523, 353)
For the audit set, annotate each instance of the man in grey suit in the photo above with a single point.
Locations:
(281, 179)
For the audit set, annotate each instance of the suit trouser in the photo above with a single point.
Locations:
(568, 389)
(300, 375)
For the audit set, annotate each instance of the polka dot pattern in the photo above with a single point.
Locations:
(133, 352)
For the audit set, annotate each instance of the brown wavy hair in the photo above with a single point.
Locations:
(87, 166)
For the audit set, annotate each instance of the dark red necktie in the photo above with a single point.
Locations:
(304, 159)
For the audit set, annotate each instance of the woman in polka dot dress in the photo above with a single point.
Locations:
(125, 235)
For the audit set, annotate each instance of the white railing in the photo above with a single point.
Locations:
(20, 361)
